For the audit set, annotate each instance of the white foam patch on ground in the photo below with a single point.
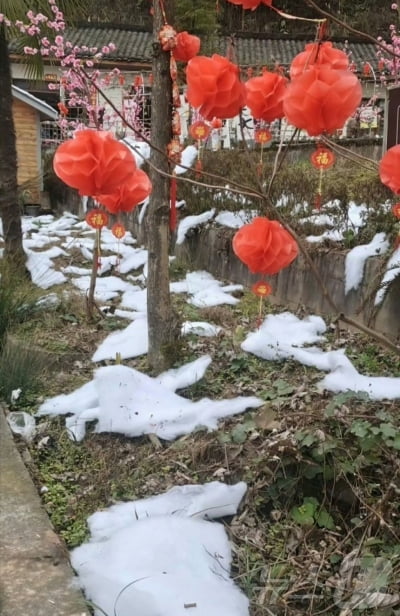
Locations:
(106, 288)
(161, 556)
(188, 156)
(352, 220)
(235, 220)
(129, 342)
(392, 271)
(132, 403)
(284, 336)
(191, 222)
(204, 290)
(41, 267)
(357, 257)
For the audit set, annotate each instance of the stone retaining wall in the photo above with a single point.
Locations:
(211, 249)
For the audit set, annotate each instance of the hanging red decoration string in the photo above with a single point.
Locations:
(321, 99)
(97, 219)
(214, 87)
(174, 151)
(118, 230)
(322, 159)
(261, 136)
(200, 131)
(261, 289)
(264, 246)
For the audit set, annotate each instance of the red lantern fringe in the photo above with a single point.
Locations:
(172, 198)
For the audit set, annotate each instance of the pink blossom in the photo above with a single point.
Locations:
(105, 49)
(59, 40)
(394, 6)
(89, 63)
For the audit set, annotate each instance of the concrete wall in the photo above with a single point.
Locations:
(211, 249)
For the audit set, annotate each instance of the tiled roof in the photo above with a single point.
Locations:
(136, 46)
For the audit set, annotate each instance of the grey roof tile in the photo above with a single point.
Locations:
(136, 46)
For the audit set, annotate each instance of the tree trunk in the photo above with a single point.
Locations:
(162, 331)
(9, 207)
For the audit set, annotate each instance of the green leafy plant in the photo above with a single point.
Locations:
(310, 512)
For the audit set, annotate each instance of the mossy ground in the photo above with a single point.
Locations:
(322, 470)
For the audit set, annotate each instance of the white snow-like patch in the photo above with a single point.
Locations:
(188, 156)
(284, 336)
(139, 149)
(131, 403)
(41, 267)
(392, 271)
(129, 342)
(161, 556)
(204, 290)
(356, 258)
(190, 222)
(235, 220)
(106, 288)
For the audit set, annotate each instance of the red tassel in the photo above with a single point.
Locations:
(318, 201)
(172, 198)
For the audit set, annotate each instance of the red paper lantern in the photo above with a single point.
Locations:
(187, 47)
(129, 194)
(322, 99)
(261, 288)
(216, 124)
(389, 169)
(262, 135)
(396, 210)
(118, 230)
(199, 130)
(264, 246)
(322, 158)
(214, 87)
(318, 54)
(265, 96)
(93, 162)
(251, 4)
(96, 218)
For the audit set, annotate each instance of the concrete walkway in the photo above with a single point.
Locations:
(36, 578)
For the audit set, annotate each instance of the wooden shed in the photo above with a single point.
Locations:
(28, 113)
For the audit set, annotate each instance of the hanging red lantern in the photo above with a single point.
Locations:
(216, 123)
(199, 130)
(138, 82)
(322, 158)
(389, 169)
(93, 162)
(167, 37)
(129, 194)
(251, 4)
(262, 135)
(320, 54)
(261, 288)
(96, 218)
(264, 246)
(187, 47)
(63, 109)
(118, 230)
(366, 70)
(176, 123)
(381, 64)
(396, 210)
(322, 99)
(265, 96)
(214, 87)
